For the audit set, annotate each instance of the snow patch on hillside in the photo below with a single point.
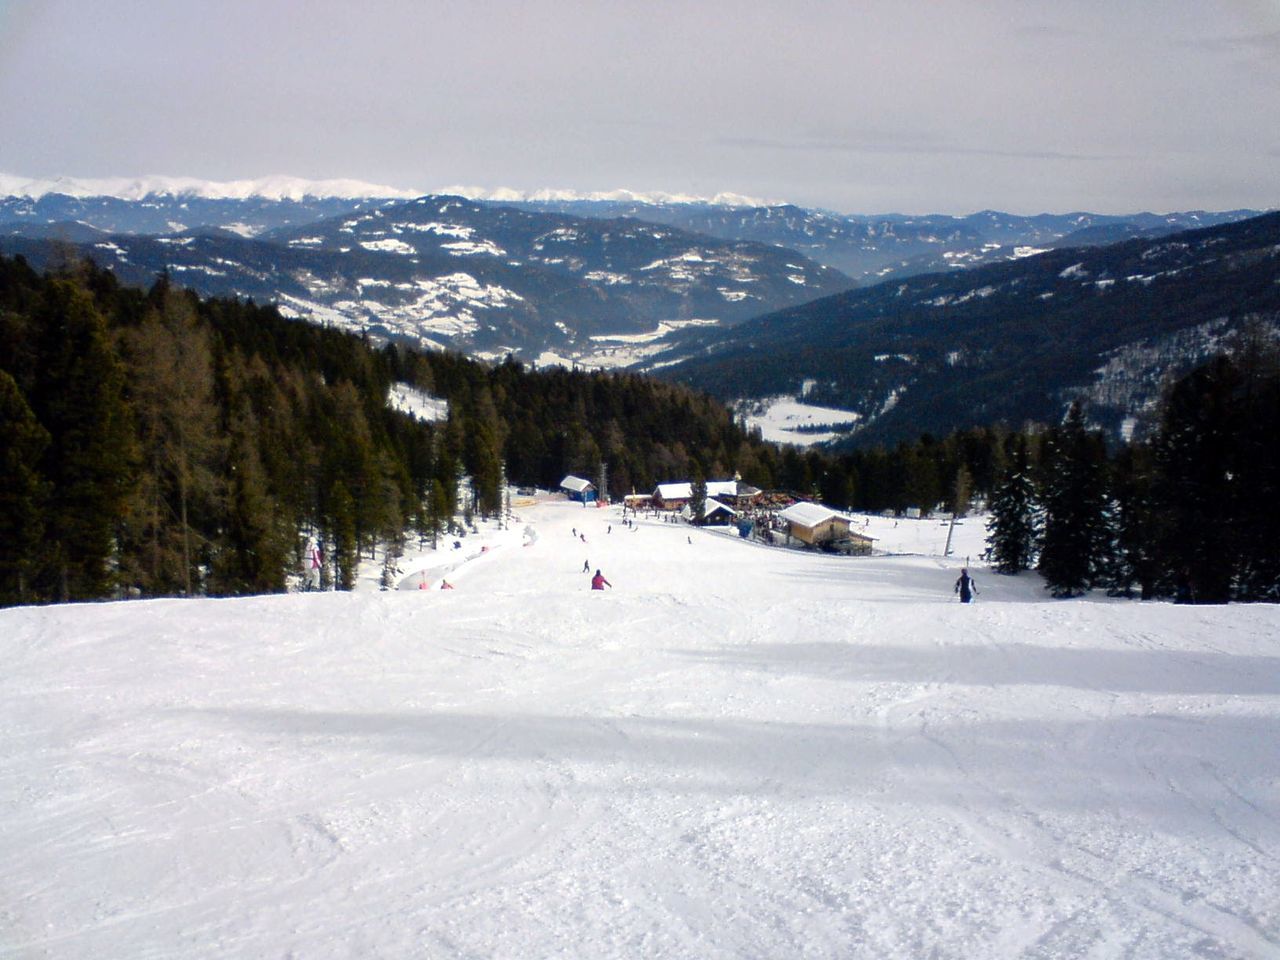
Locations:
(784, 419)
(440, 229)
(470, 248)
(389, 245)
(444, 306)
(422, 406)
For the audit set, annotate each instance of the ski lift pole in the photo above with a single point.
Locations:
(946, 551)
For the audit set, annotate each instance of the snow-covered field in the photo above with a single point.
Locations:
(736, 752)
(787, 420)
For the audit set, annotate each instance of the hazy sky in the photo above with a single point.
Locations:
(865, 107)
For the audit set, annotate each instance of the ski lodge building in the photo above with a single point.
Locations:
(734, 493)
(817, 525)
(575, 488)
(714, 514)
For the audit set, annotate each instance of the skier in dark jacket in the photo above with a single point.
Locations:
(965, 587)
(598, 582)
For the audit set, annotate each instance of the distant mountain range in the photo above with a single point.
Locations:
(437, 271)
(867, 248)
(1005, 342)
(960, 319)
(891, 246)
(157, 187)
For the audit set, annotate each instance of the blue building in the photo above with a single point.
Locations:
(576, 488)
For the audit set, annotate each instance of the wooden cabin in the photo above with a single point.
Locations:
(814, 523)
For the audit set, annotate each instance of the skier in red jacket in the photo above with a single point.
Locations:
(598, 582)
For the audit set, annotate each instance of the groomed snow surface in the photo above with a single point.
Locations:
(736, 752)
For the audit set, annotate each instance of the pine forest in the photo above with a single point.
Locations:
(153, 443)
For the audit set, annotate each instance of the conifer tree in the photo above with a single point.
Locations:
(438, 511)
(1015, 514)
(172, 388)
(1131, 525)
(1255, 467)
(253, 546)
(1074, 498)
(346, 553)
(79, 398)
(23, 492)
(1195, 484)
(698, 499)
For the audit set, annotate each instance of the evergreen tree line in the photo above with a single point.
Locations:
(154, 443)
(1192, 514)
(157, 444)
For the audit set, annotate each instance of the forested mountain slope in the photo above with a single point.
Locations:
(155, 442)
(448, 272)
(1007, 342)
(875, 247)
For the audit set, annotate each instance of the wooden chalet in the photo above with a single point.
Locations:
(732, 493)
(814, 523)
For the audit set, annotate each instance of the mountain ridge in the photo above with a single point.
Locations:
(1010, 341)
(482, 278)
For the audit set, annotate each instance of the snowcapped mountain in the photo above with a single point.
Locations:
(482, 278)
(141, 188)
(549, 196)
(165, 205)
(867, 248)
(607, 279)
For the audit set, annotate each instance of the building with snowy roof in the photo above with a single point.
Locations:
(673, 496)
(575, 488)
(814, 523)
(714, 514)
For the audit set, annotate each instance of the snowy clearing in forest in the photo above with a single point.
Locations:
(787, 420)
(737, 751)
(417, 404)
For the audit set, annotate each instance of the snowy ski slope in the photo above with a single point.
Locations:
(736, 752)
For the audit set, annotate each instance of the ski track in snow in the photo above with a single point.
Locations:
(737, 752)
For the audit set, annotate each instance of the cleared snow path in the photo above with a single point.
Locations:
(736, 752)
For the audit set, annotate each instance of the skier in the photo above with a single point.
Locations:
(586, 567)
(317, 565)
(598, 582)
(446, 585)
(965, 587)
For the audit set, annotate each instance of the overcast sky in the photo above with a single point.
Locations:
(860, 107)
